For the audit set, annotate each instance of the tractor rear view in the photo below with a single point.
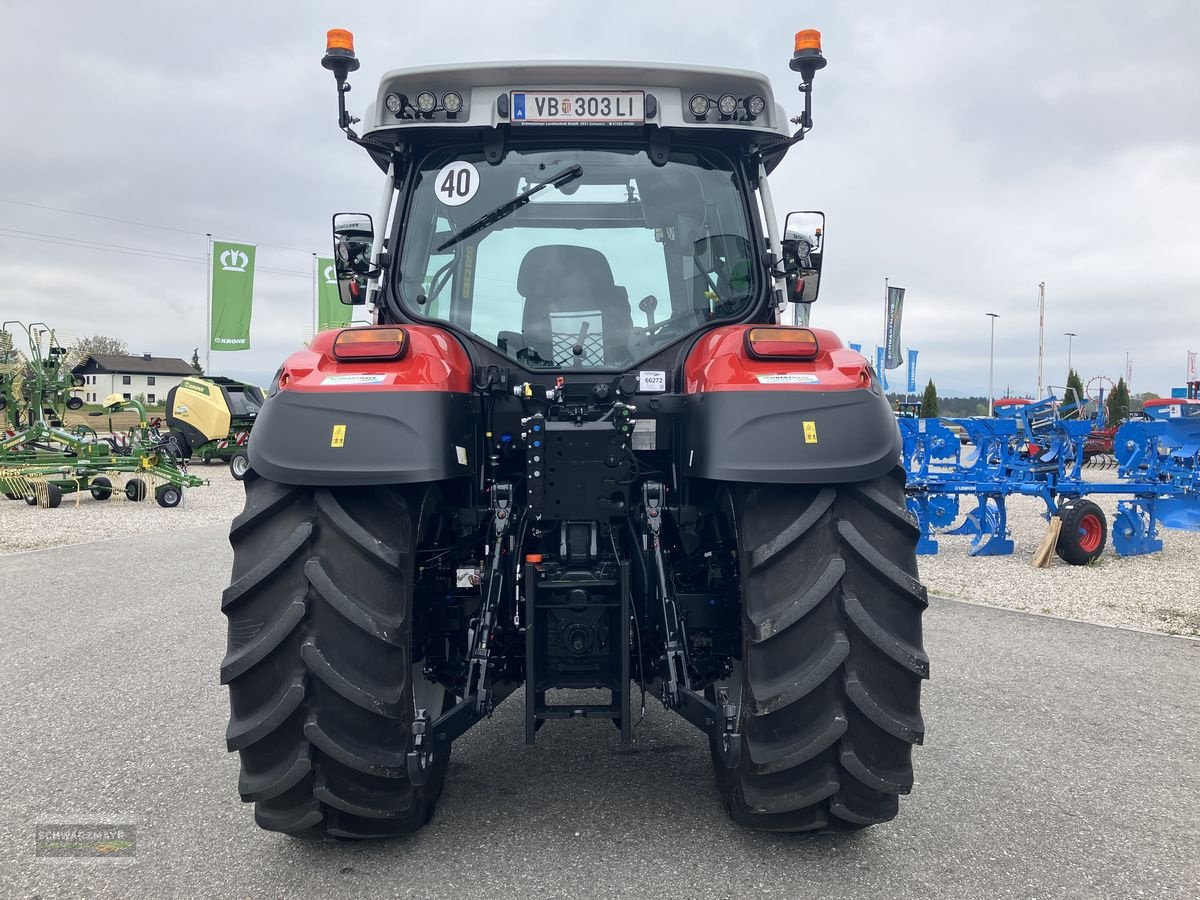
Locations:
(578, 449)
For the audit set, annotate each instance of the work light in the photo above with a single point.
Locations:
(426, 102)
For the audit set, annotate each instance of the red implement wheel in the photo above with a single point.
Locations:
(1084, 532)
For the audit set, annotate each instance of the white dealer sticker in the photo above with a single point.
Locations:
(456, 183)
(354, 379)
(651, 382)
(789, 378)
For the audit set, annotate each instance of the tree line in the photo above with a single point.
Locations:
(1118, 402)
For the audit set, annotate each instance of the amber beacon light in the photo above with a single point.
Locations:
(807, 52)
(339, 52)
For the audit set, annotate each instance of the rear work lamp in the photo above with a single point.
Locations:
(370, 343)
(781, 342)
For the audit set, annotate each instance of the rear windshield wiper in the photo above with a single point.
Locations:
(507, 209)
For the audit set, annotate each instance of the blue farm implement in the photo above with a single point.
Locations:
(1035, 449)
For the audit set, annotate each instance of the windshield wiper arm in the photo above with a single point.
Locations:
(507, 209)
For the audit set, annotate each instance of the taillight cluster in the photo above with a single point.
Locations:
(781, 342)
(373, 342)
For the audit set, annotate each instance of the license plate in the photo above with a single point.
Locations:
(578, 107)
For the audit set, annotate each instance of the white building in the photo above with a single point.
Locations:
(129, 376)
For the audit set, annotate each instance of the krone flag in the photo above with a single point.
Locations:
(331, 311)
(232, 296)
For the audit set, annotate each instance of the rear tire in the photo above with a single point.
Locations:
(832, 662)
(320, 662)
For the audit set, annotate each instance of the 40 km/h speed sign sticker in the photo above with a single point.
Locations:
(456, 183)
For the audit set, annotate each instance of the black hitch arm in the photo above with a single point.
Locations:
(481, 695)
(479, 635)
(717, 720)
(428, 735)
(675, 676)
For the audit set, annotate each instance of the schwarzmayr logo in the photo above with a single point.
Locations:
(229, 340)
(234, 261)
(330, 275)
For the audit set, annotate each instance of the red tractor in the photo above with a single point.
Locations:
(589, 444)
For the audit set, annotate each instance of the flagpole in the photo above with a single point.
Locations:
(208, 309)
(1041, 333)
(316, 306)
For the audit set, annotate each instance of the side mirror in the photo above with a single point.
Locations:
(353, 235)
(803, 251)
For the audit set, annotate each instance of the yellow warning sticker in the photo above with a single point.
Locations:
(339, 436)
(810, 432)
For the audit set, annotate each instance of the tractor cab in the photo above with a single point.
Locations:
(571, 216)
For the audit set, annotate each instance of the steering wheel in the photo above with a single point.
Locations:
(680, 322)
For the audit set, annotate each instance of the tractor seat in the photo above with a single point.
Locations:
(571, 301)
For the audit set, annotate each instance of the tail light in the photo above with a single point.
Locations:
(376, 342)
(781, 342)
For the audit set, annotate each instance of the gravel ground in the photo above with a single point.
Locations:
(1159, 592)
(1156, 592)
(23, 527)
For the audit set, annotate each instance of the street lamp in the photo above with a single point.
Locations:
(991, 361)
(1070, 336)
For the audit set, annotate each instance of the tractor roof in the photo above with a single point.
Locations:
(488, 89)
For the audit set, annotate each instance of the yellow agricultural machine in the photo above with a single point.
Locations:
(211, 418)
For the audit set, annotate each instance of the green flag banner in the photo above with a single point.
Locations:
(232, 296)
(331, 311)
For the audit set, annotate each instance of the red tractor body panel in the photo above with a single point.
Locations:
(720, 362)
(432, 360)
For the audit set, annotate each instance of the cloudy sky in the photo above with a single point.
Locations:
(967, 149)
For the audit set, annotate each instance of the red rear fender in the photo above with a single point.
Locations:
(432, 360)
(721, 362)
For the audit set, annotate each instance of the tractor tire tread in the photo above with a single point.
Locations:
(833, 657)
(319, 662)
